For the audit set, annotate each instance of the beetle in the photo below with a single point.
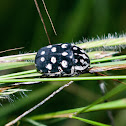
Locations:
(60, 60)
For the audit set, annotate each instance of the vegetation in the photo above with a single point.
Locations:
(82, 102)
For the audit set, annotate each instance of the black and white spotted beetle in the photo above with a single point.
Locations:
(62, 60)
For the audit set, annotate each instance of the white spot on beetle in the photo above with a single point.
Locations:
(75, 53)
(49, 66)
(49, 46)
(82, 51)
(53, 49)
(60, 69)
(71, 56)
(53, 59)
(84, 56)
(79, 68)
(82, 61)
(64, 45)
(85, 67)
(42, 59)
(64, 63)
(74, 48)
(43, 52)
(85, 63)
(64, 53)
(72, 70)
(76, 60)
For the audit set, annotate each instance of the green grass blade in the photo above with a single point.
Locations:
(40, 93)
(109, 63)
(111, 93)
(89, 121)
(62, 79)
(33, 122)
(18, 57)
(117, 104)
(108, 59)
(4, 66)
(104, 42)
(18, 73)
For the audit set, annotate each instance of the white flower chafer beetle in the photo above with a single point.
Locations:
(62, 60)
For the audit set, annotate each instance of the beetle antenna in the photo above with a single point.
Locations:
(42, 21)
(49, 17)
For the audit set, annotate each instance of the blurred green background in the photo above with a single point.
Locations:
(20, 26)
